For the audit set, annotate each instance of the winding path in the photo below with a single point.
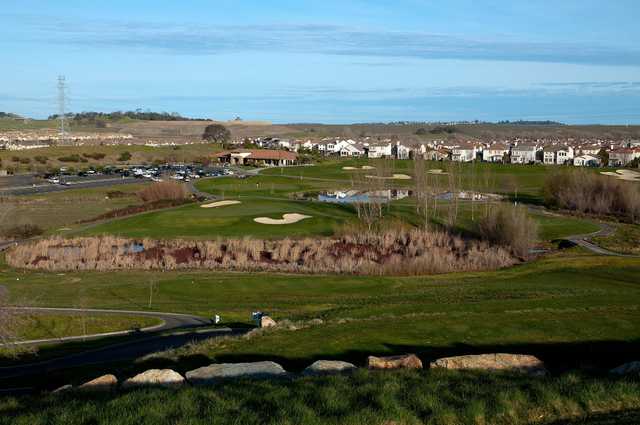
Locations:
(186, 329)
(169, 322)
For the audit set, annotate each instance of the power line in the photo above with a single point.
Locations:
(62, 103)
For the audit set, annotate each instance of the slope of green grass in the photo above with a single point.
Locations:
(372, 398)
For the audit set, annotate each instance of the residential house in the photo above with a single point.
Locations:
(439, 154)
(401, 151)
(524, 154)
(623, 156)
(586, 160)
(379, 150)
(464, 153)
(497, 152)
(559, 155)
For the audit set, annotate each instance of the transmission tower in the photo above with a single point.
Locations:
(62, 103)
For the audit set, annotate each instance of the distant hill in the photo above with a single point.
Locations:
(10, 115)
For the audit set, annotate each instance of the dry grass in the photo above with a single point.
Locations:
(404, 251)
(163, 191)
(586, 192)
(510, 227)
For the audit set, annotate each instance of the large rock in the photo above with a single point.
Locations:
(62, 389)
(327, 367)
(627, 369)
(217, 372)
(407, 361)
(104, 383)
(508, 362)
(267, 322)
(155, 377)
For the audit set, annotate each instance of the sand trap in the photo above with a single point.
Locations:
(364, 167)
(627, 175)
(394, 177)
(436, 171)
(286, 219)
(220, 204)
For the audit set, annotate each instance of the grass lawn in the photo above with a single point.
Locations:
(526, 180)
(553, 306)
(54, 210)
(46, 326)
(372, 398)
(195, 222)
(626, 239)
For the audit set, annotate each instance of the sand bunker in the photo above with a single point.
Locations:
(364, 167)
(628, 175)
(436, 171)
(394, 177)
(220, 204)
(286, 219)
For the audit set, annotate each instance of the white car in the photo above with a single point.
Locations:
(54, 180)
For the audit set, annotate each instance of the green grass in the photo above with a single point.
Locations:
(373, 398)
(55, 210)
(557, 227)
(625, 239)
(272, 196)
(195, 222)
(47, 326)
(558, 303)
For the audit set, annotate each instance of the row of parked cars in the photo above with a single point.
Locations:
(183, 172)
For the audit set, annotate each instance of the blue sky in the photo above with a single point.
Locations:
(576, 61)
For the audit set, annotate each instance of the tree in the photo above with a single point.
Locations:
(604, 157)
(216, 133)
(421, 132)
(124, 156)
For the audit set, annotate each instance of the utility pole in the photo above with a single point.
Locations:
(62, 100)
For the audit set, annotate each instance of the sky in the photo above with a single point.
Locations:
(329, 61)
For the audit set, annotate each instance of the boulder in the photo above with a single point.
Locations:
(62, 389)
(267, 322)
(521, 363)
(327, 367)
(104, 383)
(627, 369)
(155, 377)
(407, 361)
(218, 372)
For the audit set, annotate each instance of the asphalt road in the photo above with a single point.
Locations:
(145, 342)
(124, 351)
(29, 185)
(170, 322)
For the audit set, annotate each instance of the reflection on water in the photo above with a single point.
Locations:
(354, 196)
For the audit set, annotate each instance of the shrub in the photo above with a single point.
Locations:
(23, 231)
(163, 191)
(510, 227)
(72, 158)
(41, 159)
(124, 156)
(587, 192)
(96, 155)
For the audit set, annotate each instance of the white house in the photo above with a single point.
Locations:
(523, 154)
(586, 160)
(401, 151)
(380, 150)
(495, 152)
(464, 153)
(623, 156)
(348, 150)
